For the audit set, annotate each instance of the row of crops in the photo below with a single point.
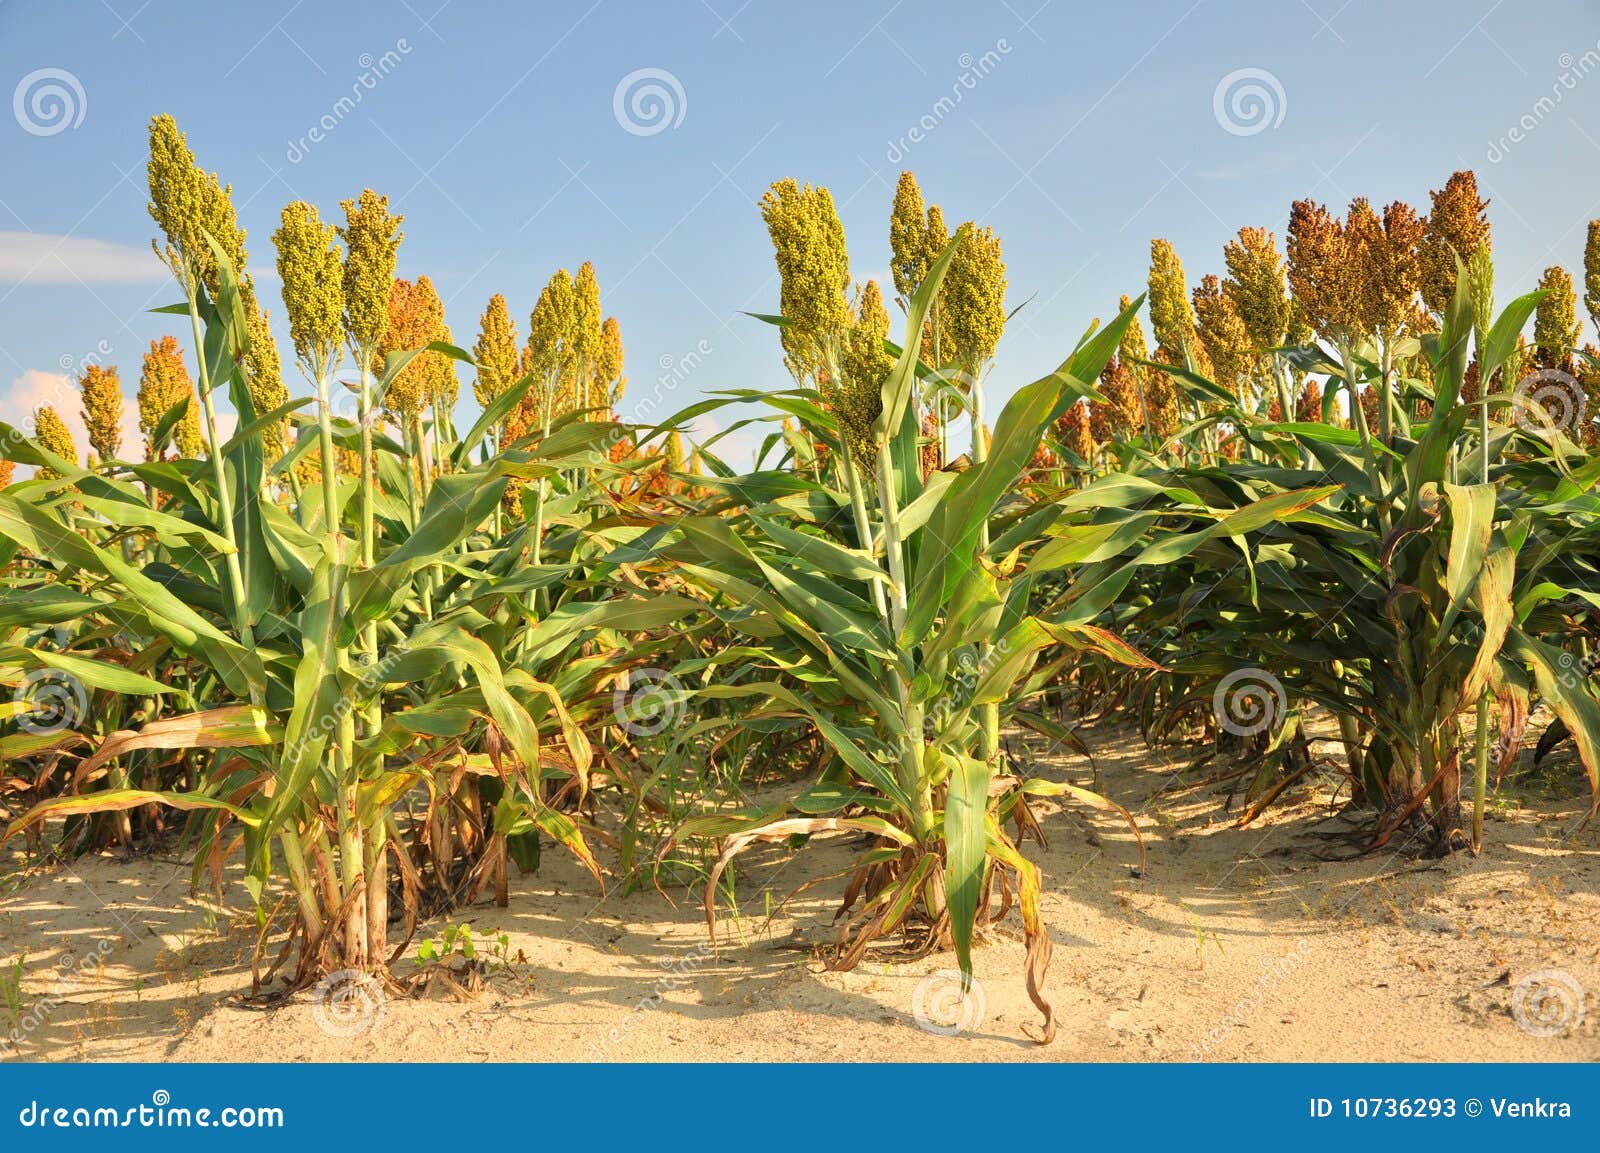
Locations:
(374, 656)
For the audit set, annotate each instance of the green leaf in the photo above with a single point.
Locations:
(1502, 341)
(1471, 525)
(119, 800)
(1564, 685)
(966, 849)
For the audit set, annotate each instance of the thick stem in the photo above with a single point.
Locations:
(912, 779)
(305, 889)
(220, 475)
(941, 414)
(352, 862)
(375, 905)
(1350, 734)
(416, 481)
(342, 753)
(330, 461)
(1286, 402)
(491, 448)
(1358, 416)
(376, 862)
(541, 596)
(989, 715)
(858, 510)
(368, 473)
(1386, 423)
(889, 505)
(442, 834)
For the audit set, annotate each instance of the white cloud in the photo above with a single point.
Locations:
(41, 258)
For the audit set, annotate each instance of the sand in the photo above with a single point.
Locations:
(1233, 945)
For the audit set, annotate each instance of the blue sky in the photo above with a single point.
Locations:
(1080, 132)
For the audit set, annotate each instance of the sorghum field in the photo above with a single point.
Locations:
(1228, 692)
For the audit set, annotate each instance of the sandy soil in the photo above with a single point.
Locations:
(1235, 945)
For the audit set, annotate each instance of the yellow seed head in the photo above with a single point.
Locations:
(908, 236)
(672, 450)
(549, 352)
(1223, 335)
(1363, 238)
(371, 239)
(1132, 380)
(1591, 272)
(608, 367)
(1323, 276)
(1385, 263)
(1555, 321)
(813, 267)
(102, 409)
(937, 236)
(416, 317)
(312, 271)
(264, 376)
(586, 319)
(1255, 286)
(187, 202)
(1132, 347)
(163, 382)
(495, 352)
(1300, 332)
(1457, 226)
(974, 297)
(549, 348)
(443, 384)
(53, 436)
(857, 398)
(1170, 314)
(586, 338)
